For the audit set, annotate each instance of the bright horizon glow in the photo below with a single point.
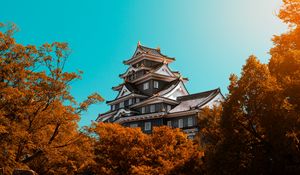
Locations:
(210, 39)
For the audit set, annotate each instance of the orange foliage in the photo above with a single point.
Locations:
(38, 116)
(259, 128)
(120, 150)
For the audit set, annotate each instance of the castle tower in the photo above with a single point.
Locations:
(153, 95)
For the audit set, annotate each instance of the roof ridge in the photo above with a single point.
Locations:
(131, 93)
(196, 95)
(156, 49)
(208, 98)
(149, 47)
(167, 88)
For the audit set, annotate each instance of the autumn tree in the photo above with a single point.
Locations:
(259, 128)
(38, 115)
(209, 125)
(120, 150)
(284, 64)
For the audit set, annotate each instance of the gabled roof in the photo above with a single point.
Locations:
(196, 101)
(149, 50)
(168, 88)
(131, 87)
(132, 69)
(155, 52)
(126, 97)
(123, 112)
(174, 91)
(124, 91)
(166, 95)
(127, 91)
(128, 85)
(153, 100)
(104, 116)
(164, 70)
(199, 95)
(113, 114)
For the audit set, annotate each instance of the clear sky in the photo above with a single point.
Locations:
(209, 39)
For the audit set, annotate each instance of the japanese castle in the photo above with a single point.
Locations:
(154, 95)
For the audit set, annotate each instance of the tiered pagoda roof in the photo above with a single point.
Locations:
(149, 81)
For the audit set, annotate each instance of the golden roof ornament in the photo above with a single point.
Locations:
(158, 48)
(165, 61)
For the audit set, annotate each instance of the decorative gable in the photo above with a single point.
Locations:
(164, 70)
(216, 101)
(137, 52)
(129, 71)
(178, 91)
(119, 113)
(124, 91)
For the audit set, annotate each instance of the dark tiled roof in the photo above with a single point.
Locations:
(155, 68)
(131, 87)
(193, 101)
(109, 101)
(199, 95)
(153, 51)
(107, 112)
(170, 86)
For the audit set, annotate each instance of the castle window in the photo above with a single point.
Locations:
(133, 125)
(143, 110)
(112, 107)
(122, 104)
(168, 108)
(190, 121)
(152, 108)
(130, 102)
(155, 84)
(146, 86)
(169, 123)
(147, 126)
(137, 100)
(180, 123)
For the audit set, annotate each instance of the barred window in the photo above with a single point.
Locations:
(147, 126)
(143, 110)
(180, 123)
(133, 125)
(190, 121)
(122, 104)
(155, 84)
(146, 86)
(152, 108)
(169, 123)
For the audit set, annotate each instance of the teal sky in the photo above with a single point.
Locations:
(210, 39)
